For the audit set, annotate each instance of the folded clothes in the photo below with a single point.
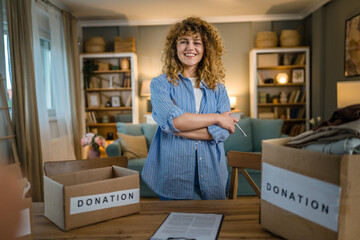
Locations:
(327, 134)
(342, 115)
(344, 146)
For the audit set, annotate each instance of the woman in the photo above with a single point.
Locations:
(186, 159)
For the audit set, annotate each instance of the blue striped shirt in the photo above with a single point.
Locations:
(170, 165)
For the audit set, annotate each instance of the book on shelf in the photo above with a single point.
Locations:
(91, 117)
(266, 115)
(262, 97)
(296, 129)
(294, 113)
(298, 99)
(303, 98)
(260, 78)
(301, 113)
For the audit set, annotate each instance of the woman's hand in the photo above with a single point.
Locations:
(226, 121)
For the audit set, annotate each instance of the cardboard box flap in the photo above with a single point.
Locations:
(54, 201)
(121, 172)
(309, 163)
(83, 176)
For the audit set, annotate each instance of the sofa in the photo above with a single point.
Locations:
(135, 139)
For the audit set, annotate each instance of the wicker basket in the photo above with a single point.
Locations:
(266, 39)
(289, 38)
(95, 45)
(124, 45)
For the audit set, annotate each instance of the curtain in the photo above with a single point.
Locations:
(72, 53)
(25, 112)
(56, 130)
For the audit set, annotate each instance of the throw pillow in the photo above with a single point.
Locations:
(133, 146)
(237, 141)
(263, 129)
(149, 132)
(129, 129)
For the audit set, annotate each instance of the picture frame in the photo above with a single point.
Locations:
(93, 100)
(115, 101)
(352, 47)
(298, 76)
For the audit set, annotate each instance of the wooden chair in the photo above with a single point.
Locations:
(58, 167)
(240, 161)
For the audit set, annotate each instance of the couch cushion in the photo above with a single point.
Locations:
(237, 141)
(133, 146)
(263, 129)
(129, 129)
(149, 130)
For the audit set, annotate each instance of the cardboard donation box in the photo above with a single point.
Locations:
(24, 230)
(84, 197)
(309, 195)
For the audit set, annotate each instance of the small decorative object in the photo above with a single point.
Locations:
(115, 68)
(269, 80)
(103, 66)
(95, 45)
(125, 65)
(314, 122)
(289, 38)
(95, 141)
(124, 45)
(115, 101)
(298, 76)
(352, 47)
(108, 103)
(282, 78)
(93, 100)
(110, 136)
(266, 39)
(105, 119)
(283, 97)
(232, 102)
(111, 81)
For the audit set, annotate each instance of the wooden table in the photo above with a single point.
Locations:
(241, 221)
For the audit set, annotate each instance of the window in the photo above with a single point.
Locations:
(7, 64)
(46, 65)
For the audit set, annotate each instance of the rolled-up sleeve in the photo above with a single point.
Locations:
(164, 110)
(220, 134)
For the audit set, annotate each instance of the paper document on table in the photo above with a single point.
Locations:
(189, 226)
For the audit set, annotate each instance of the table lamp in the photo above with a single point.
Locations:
(348, 93)
(282, 78)
(232, 102)
(145, 92)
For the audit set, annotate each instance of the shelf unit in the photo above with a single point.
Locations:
(265, 96)
(107, 84)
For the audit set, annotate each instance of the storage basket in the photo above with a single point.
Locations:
(124, 45)
(266, 39)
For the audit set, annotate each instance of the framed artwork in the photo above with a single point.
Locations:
(115, 101)
(93, 100)
(298, 76)
(352, 46)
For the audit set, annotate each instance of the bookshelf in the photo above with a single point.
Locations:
(287, 98)
(109, 91)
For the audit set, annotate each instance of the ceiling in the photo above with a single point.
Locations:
(153, 12)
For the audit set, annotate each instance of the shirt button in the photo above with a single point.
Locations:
(200, 158)
(201, 175)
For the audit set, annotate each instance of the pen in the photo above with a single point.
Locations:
(242, 131)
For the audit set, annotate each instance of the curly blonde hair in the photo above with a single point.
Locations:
(210, 68)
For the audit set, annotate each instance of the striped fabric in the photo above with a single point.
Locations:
(170, 165)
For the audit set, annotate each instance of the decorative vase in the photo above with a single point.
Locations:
(93, 153)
